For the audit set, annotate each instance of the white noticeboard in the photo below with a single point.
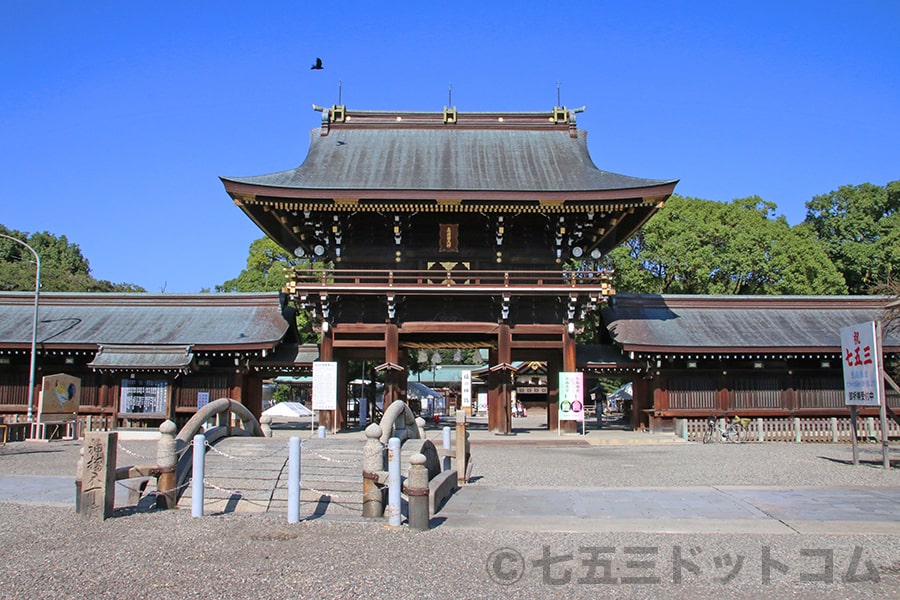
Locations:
(571, 396)
(324, 392)
(861, 357)
(466, 389)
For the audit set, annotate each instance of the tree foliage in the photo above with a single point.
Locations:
(266, 270)
(859, 227)
(695, 246)
(63, 267)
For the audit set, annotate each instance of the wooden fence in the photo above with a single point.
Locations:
(827, 430)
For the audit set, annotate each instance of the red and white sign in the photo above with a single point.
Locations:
(861, 356)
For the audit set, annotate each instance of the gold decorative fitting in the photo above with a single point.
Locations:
(338, 113)
(560, 114)
(450, 115)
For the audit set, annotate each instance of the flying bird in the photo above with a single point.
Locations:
(318, 66)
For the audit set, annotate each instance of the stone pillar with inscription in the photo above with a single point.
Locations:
(98, 478)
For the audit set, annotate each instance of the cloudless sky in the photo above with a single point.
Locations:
(118, 117)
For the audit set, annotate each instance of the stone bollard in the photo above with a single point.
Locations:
(79, 473)
(98, 478)
(166, 461)
(462, 446)
(446, 444)
(373, 464)
(294, 479)
(420, 425)
(265, 424)
(198, 473)
(394, 507)
(417, 493)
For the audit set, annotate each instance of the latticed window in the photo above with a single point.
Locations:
(693, 392)
(756, 392)
(819, 391)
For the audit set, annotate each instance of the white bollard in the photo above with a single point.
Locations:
(199, 473)
(446, 462)
(394, 510)
(321, 431)
(294, 480)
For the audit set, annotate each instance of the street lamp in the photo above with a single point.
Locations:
(37, 293)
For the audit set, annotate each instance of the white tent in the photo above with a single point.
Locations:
(289, 412)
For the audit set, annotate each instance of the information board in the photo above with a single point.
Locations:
(324, 392)
(465, 389)
(145, 397)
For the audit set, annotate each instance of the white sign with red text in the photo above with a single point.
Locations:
(861, 357)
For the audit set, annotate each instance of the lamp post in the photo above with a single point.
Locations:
(37, 293)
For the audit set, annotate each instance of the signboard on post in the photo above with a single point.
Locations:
(571, 397)
(861, 356)
(864, 377)
(465, 390)
(60, 397)
(324, 392)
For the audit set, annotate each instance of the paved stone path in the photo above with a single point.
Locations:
(677, 510)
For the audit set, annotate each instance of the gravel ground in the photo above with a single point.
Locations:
(51, 552)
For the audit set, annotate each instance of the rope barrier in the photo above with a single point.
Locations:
(244, 458)
(134, 454)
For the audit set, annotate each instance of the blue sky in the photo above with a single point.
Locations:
(117, 118)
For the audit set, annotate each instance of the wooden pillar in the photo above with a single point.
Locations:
(392, 356)
(569, 365)
(343, 379)
(499, 384)
(641, 400)
(253, 396)
(554, 366)
(326, 354)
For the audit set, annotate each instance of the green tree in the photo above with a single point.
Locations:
(695, 246)
(63, 267)
(266, 271)
(859, 225)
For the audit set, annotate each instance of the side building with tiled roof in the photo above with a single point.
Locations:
(142, 358)
(753, 356)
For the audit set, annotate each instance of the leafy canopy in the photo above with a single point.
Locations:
(859, 227)
(266, 271)
(63, 267)
(695, 246)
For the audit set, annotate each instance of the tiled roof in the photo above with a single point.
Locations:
(450, 157)
(227, 321)
(739, 323)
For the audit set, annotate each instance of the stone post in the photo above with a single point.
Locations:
(166, 461)
(265, 424)
(417, 492)
(461, 446)
(98, 479)
(420, 425)
(373, 464)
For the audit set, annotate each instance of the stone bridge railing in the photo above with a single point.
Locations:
(173, 463)
(429, 477)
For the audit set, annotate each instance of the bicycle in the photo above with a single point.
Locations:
(735, 430)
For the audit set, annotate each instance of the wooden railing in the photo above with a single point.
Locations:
(460, 281)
